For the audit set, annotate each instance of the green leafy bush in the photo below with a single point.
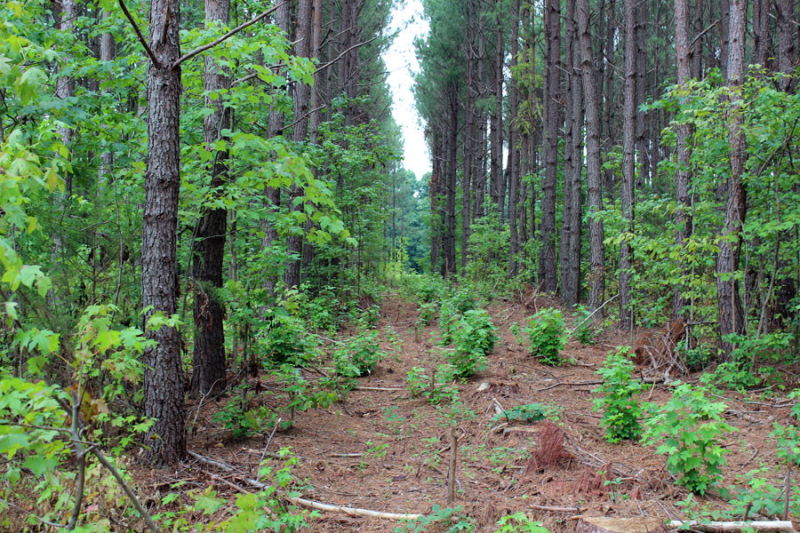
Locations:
(585, 332)
(519, 523)
(474, 337)
(436, 387)
(360, 354)
(689, 427)
(533, 412)
(546, 334)
(621, 411)
(447, 520)
(286, 339)
(762, 496)
(426, 313)
(244, 423)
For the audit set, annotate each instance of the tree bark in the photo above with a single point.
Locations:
(496, 189)
(787, 46)
(593, 171)
(683, 214)
(731, 315)
(554, 120)
(513, 141)
(208, 248)
(628, 168)
(163, 377)
(272, 195)
(301, 96)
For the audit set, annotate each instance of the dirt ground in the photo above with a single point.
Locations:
(385, 451)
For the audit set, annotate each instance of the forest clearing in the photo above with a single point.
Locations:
(416, 266)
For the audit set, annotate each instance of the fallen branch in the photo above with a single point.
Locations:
(352, 511)
(211, 462)
(711, 527)
(556, 509)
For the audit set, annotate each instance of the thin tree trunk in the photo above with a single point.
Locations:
(469, 137)
(106, 172)
(593, 171)
(642, 153)
(628, 168)
(163, 376)
(273, 195)
(731, 315)
(696, 53)
(787, 50)
(452, 169)
(302, 95)
(683, 215)
(208, 248)
(513, 141)
(547, 254)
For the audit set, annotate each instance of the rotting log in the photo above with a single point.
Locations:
(766, 526)
(604, 524)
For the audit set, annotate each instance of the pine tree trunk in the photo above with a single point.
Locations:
(65, 88)
(696, 52)
(731, 315)
(208, 248)
(163, 376)
(643, 156)
(480, 178)
(683, 215)
(272, 195)
(593, 171)
(513, 140)
(628, 167)
(302, 95)
(497, 121)
(567, 294)
(787, 46)
(452, 170)
(469, 137)
(106, 171)
(554, 120)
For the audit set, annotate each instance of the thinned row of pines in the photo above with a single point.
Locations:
(635, 151)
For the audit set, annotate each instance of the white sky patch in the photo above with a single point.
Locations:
(401, 62)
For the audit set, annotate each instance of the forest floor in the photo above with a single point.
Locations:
(386, 451)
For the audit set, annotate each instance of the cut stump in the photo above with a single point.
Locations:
(604, 524)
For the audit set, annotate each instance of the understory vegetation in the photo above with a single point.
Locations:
(227, 305)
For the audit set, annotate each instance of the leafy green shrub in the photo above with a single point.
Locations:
(787, 438)
(699, 357)
(286, 339)
(584, 333)
(474, 338)
(519, 523)
(437, 387)
(359, 355)
(621, 411)
(761, 496)
(244, 423)
(426, 313)
(546, 336)
(769, 347)
(734, 375)
(533, 412)
(690, 426)
(451, 518)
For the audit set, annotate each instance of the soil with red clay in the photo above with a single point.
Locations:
(386, 451)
